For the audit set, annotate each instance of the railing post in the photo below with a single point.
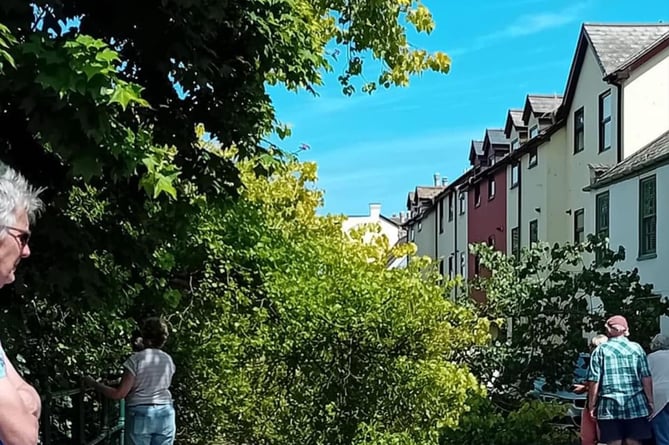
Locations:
(45, 420)
(121, 421)
(78, 424)
(105, 419)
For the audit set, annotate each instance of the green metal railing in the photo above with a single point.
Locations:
(89, 419)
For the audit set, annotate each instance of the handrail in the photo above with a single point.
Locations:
(78, 419)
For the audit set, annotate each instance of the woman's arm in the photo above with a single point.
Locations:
(117, 393)
(17, 425)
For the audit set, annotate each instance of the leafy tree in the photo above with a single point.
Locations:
(312, 339)
(532, 423)
(91, 112)
(552, 297)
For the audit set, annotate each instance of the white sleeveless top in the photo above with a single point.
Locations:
(153, 370)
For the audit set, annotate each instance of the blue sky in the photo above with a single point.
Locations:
(377, 148)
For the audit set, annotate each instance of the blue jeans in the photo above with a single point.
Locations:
(150, 425)
(660, 424)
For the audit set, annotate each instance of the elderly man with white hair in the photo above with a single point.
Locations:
(658, 361)
(19, 402)
(621, 388)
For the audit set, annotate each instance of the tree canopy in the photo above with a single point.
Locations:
(147, 122)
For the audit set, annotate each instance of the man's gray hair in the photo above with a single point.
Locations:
(659, 342)
(17, 195)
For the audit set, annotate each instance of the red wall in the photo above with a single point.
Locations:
(489, 218)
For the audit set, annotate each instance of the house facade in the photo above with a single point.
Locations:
(632, 204)
(544, 176)
(487, 221)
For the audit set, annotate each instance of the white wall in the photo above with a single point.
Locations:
(390, 230)
(624, 229)
(646, 103)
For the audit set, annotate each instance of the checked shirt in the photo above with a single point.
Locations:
(619, 365)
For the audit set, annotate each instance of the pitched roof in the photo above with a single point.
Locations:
(496, 136)
(475, 149)
(649, 156)
(540, 104)
(427, 193)
(513, 117)
(615, 44)
(477, 146)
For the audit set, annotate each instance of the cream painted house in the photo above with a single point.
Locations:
(438, 224)
(451, 241)
(604, 104)
(535, 173)
(618, 74)
(422, 224)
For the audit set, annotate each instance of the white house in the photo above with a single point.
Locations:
(391, 228)
(632, 203)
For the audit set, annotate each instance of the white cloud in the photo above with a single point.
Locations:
(527, 25)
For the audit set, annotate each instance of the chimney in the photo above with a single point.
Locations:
(444, 181)
(375, 211)
(437, 180)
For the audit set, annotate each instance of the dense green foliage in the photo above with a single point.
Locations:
(285, 329)
(552, 296)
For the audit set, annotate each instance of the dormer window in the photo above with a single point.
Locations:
(534, 132)
(515, 144)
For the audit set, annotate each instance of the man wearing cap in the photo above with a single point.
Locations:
(621, 389)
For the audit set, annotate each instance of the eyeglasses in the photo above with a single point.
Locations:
(23, 236)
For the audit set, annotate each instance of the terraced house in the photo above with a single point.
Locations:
(568, 165)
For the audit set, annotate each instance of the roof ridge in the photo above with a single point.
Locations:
(544, 95)
(625, 25)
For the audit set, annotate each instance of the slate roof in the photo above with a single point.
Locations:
(425, 193)
(517, 118)
(651, 155)
(615, 44)
(514, 117)
(541, 104)
(478, 147)
(544, 103)
(496, 136)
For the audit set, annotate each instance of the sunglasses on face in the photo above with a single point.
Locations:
(23, 236)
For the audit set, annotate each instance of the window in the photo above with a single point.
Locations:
(647, 217)
(579, 226)
(491, 188)
(515, 144)
(515, 174)
(450, 207)
(534, 160)
(491, 241)
(477, 195)
(451, 268)
(463, 202)
(441, 268)
(463, 264)
(579, 130)
(602, 215)
(534, 231)
(477, 265)
(441, 216)
(412, 234)
(492, 160)
(515, 242)
(534, 131)
(420, 226)
(605, 135)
